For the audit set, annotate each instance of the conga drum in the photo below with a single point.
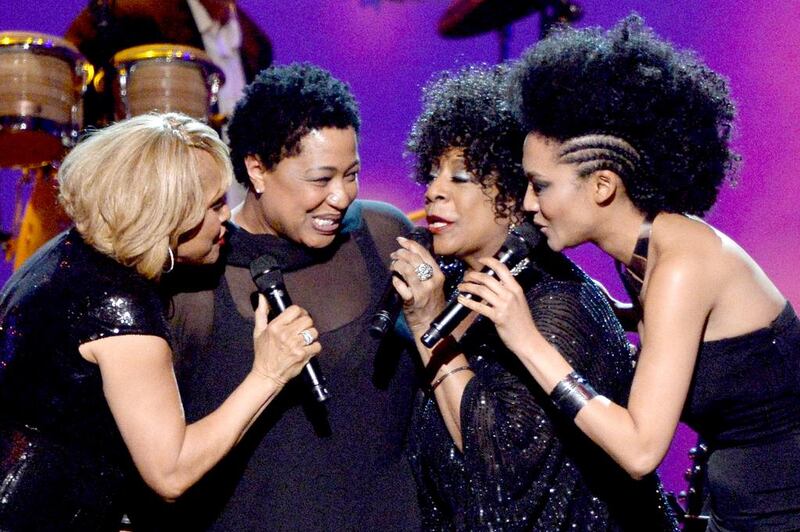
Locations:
(43, 216)
(42, 80)
(165, 78)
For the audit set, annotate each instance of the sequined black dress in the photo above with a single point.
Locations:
(524, 466)
(302, 466)
(63, 463)
(744, 401)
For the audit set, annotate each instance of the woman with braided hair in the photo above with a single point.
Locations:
(628, 142)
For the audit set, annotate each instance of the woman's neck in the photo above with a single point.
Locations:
(249, 216)
(618, 233)
(489, 251)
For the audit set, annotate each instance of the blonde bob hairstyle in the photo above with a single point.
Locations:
(133, 188)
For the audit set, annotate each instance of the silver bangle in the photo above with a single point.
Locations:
(435, 384)
(571, 394)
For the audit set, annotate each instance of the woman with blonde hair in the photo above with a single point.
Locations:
(87, 390)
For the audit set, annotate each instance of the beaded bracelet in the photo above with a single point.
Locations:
(441, 379)
(571, 394)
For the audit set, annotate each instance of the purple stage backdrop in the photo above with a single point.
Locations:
(387, 49)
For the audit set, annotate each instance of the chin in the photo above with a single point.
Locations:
(319, 241)
(555, 246)
(441, 246)
(211, 258)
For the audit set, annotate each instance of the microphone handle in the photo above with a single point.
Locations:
(381, 322)
(390, 304)
(455, 312)
(279, 300)
(444, 323)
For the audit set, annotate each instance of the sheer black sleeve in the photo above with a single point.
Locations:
(385, 223)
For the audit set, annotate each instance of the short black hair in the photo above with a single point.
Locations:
(281, 106)
(468, 109)
(673, 110)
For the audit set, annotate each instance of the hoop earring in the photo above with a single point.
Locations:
(171, 261)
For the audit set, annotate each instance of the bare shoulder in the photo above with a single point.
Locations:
(679, 234)
(696, 259)
(683, 248)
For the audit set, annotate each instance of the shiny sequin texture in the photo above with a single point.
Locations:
(62, 459)
(524, 466)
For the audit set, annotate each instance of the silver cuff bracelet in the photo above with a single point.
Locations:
(571, 394)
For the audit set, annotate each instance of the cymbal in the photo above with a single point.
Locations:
(465, 18)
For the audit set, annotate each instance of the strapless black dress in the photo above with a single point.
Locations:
(63, 463)
(744, 401)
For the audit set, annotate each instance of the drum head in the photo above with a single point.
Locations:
(164, 78)
(42, 78)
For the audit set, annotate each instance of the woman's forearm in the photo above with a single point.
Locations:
(207, 440)
(636, 439)
(448, 373)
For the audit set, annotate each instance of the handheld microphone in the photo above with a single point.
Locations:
(390, 303)
(520, 241)
(269, 280)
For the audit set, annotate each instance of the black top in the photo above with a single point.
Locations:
(524, 466)
(305, 466)
(62, 458)
(744, 401)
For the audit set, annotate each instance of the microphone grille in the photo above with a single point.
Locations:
(265, 271)
(528, 233)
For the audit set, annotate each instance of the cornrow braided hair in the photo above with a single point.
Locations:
(627, 83)
(599, 151)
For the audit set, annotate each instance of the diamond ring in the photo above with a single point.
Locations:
(424, 271)
(307, 338)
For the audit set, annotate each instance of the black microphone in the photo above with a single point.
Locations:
(390, 303)
(269, 280)
(518, 245)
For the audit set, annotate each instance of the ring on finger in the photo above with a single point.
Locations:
(308, 339)
(424, 271)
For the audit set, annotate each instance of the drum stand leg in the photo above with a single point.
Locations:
(37, 220)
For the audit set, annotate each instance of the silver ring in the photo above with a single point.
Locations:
(307, 338)
(424, 271)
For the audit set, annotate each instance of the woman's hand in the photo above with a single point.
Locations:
(281, 348)
(422, 300)
(503, 302)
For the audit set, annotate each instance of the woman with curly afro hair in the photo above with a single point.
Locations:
(488, 449)
(628, 143)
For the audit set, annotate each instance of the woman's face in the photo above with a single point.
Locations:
(201, 244)
(305, 197)
(460, 213)
(560, 199)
